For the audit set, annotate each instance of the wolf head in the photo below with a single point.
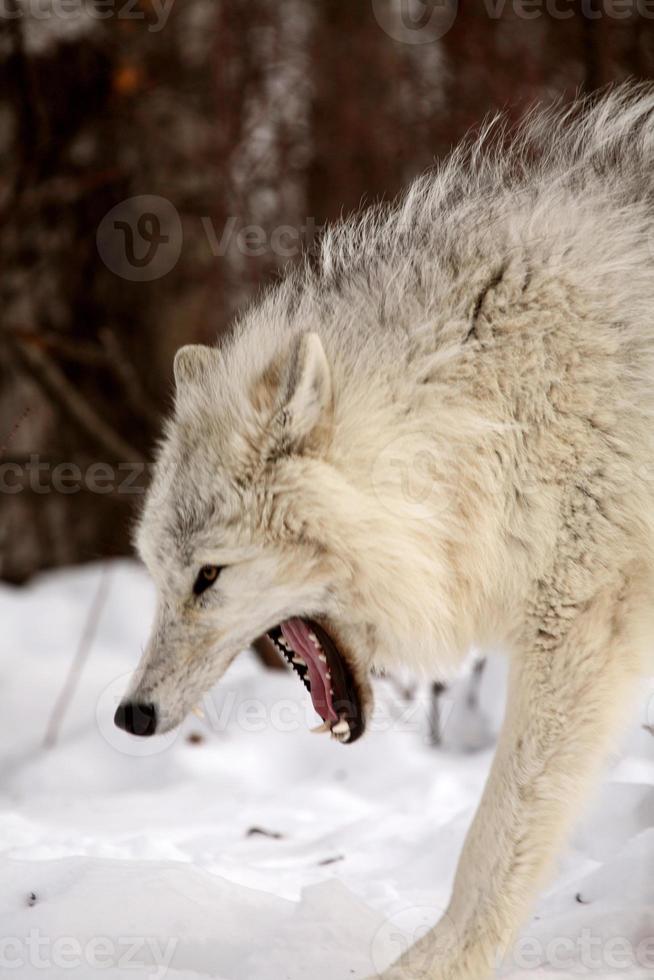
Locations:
(240, 537)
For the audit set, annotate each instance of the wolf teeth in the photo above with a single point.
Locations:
(322, 657)
(299, 661)
(320, 729)
(341, 730)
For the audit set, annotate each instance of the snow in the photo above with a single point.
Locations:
(245, 848)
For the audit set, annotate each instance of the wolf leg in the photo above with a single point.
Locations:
(568, 692)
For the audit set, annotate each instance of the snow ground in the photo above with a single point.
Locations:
(245, 848)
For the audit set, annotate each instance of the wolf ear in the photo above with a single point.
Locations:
(306, 393)
(194, 369)
(193, 365)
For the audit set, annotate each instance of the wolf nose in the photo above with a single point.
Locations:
(137, 719)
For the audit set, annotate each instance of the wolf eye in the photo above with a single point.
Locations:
(206, 577)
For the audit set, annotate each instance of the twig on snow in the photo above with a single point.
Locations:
(79, 660)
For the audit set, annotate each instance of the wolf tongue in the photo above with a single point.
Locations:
(296, 633)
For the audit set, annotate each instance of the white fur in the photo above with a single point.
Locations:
(439, 433)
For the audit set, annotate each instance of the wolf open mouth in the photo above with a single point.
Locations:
(314, 656)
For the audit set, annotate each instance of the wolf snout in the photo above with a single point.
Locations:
(137, 719)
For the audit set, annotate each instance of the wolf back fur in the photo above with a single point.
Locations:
(438, 432)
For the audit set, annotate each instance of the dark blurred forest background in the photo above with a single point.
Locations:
(230, 131)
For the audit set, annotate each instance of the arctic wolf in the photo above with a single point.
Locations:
(437, 433)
